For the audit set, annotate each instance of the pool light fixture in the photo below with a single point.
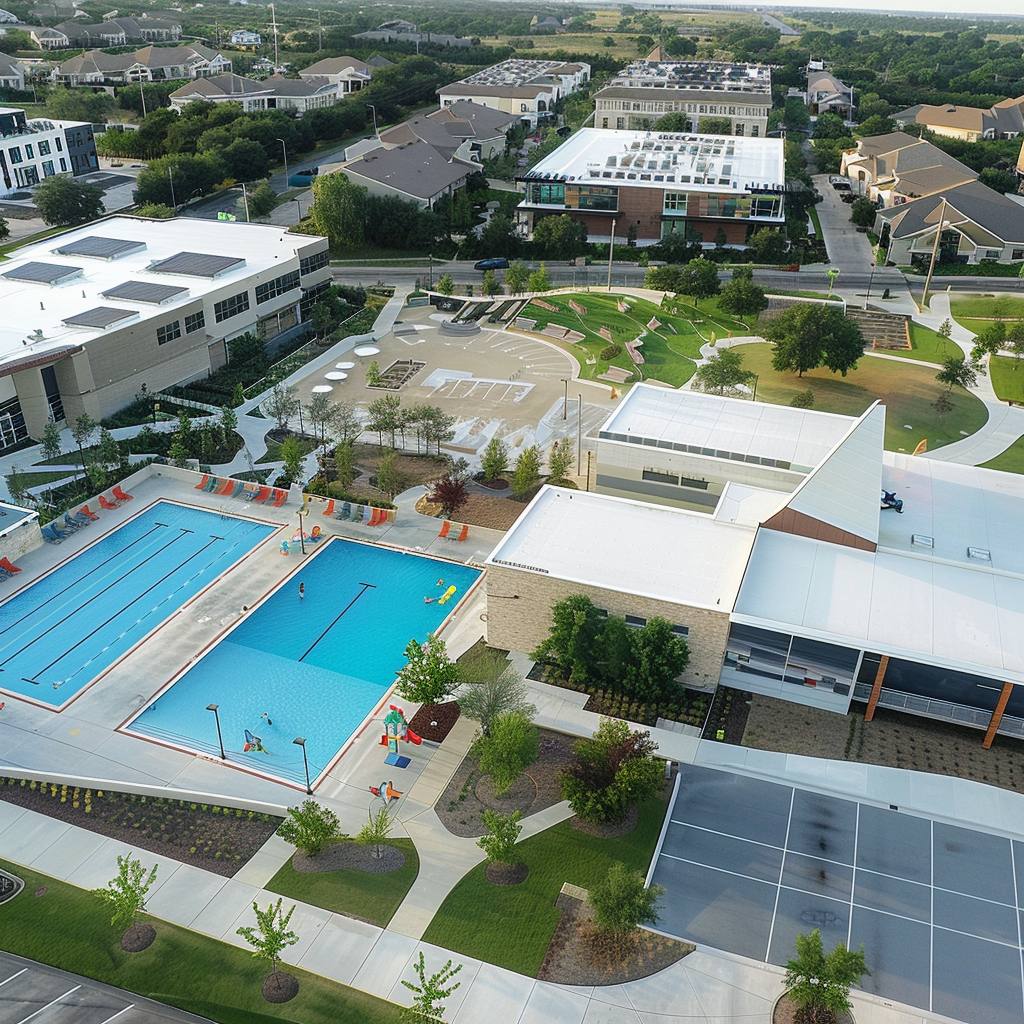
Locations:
(301, 741)
(220, 739)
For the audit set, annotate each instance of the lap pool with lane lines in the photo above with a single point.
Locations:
(749, 864)
(314, 666)
(62, 631)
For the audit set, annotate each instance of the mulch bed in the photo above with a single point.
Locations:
(506, 874)
(351, 855)
(460, 807)
(219, 839)
(140, 936)
(580, 955)
(787, 1012)
(493, 485)
(610, 829)
(433, 722)
(280, 987)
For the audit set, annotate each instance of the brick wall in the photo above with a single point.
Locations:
(521, 625)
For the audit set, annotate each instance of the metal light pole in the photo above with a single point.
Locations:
(302, 538)
(301, 741)
(565, 400)
(298, 206)
(220, 739)
(284, 151)
(579, 436)
(375, 132)
(245, 202)
(611, 250)
(170, 177)
(871, 278)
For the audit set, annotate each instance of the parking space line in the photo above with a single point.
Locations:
(13, 976)
(118, 1014)
(48, 1005)
(782, 868)
(724, 871)
(740, 839)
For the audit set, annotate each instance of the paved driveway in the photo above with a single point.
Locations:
(848, 249)
(44, 995)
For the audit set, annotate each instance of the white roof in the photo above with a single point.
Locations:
(30, 307)
(800, 437)
(663, 553)
(660, 159)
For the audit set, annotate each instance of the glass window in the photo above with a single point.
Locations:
(30, 153)
(63, 164)
(44, 147)
(309, 264)
(279, 286)
(681, 630)
(47, 168)
(759, 652)
(195, 322)
(168, 332)
(675, 202)
(15, 154)
(635, 621)
(661, 478)
(228, 308)
(547, 194)
(60, 147)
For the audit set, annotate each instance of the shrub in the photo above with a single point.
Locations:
(309, 827)
(489, 699)
(611, 352)
(511, 747)
(621, 902)
(502, 833)
(429, 675)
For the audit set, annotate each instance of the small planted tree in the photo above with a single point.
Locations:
(527, 471)
(281, 405)
(495, 459)
(622, 902)
(376, 831)
(451, 493)
(429, 675)
(490, 284)
(345, 463)
(485, 701)
(390, 479)
(269, 939)
(560, 459)
(108, 453)
(445, 284)
(427, 995)
(959, 372)
(819, 982)
(310, 827)
(511, 746)
(228, 421)
(126, 897)
(82, 431)
(291, 455)
(502, 834)
(540, 280)
(51, 441)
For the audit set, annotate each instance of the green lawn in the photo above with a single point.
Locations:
(906, 390)
(668, 356)
(1007, 378)
(511, 926)
(35, 479)
(273, 452)
(929, 346)
(1010, 461)
(976, 312)
(374, 898)
(69, 928)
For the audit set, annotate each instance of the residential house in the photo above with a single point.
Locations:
(406, 32)
(1005, 120)
(826, 94)
(547, 25)
(6, 18)
(648, 89)
(150, 64)
(464, 131)
(978, 224)
(37, 148)
(348, 73)
(112, 31)
(244, 37)
(526, 88)
(12, 74)
(273, 93)
(652, 185)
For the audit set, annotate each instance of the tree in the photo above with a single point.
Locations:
(61, 200)
(50, 441)
(4, 229)
(490, 285)
(320, 412)
(862, 213)
(502, 834)
(494, 460)
(338, 210)
(1015, 342)
(677, 121)
(700, 279)
(488, 699)
(559, 238)
(829, 126)
(722, 370)
(498, 236)
(345, 463)
(560, 459)
(526, 475)
(510, 747)
(809, 335)
(273, 936)
(390, 479)
(445, 284)
(108, 452)
(262, 199)
(876, 124)
(281, 405)
(990, 341)
(310, 827)
(345, 423)
(611, 770)
(321, 319)
(126, 894)
(384, 415)
(659, 656)
(82, 431)
(572, 640)
(767, 245)
(291, 456)
(819, 982)
(539, 280)
(376, 831)
(451, 493)
(680, 46)
(714, 125)
(373, 377)
(426, 1004)
(177, 452)
(517, 277)
(228, 421)
(429, 676)
(621, 902)
(741, 297)
(959, 372)
(1001, 181)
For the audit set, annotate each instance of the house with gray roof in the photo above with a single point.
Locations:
(1004, 120)
(977, 223)
(273, 93)
(349, 73)
(150, 64)
(12, 74)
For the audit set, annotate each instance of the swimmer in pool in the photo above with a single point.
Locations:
(429, 600)
(440, 583)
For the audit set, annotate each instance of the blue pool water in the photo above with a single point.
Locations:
(65, 629)
(317, 666)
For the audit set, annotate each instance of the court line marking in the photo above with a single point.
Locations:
(36, 1013)
(13, 976)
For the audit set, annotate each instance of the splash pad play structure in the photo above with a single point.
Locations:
(396, 730)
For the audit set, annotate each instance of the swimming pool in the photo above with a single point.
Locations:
(62, 631)
(316, 665)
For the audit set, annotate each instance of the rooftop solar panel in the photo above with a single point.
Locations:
(101, 316)
(144, 291)
(197, 264)
(100, 247)
(42, 273)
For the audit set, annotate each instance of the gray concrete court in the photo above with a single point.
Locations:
(30, 991)
(750, 864)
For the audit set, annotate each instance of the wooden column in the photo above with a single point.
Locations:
(876, 689)
(997, 715)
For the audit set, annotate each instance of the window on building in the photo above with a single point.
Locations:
(738, 128)
(547, 194)
(754, 131)
(195, 322)
(1017, 254)
(168, 332)
(279, 286)
(310, 264)
(30, 153)
(635, 621)
(656, 476)
(15, 154)
(47, 168)
(681, 630)
(675, 202)
(60, 147)
(689, 481)
(44, 147)
(228, 308)
(63, 164)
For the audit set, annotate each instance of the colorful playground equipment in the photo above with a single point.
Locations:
(447, 595)
(396, 729)
(253, 743)
(385, 792)
(889, 500)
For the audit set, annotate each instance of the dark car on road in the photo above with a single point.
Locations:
(495, 263)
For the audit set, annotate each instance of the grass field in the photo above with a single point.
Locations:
(70, 928)
(511, 926)
(976, 312)
(1007, 378)
(905, 389)
(929, 346)
(374, 898)
(1010, 461)
(668, 356)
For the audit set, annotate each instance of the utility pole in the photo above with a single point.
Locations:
(935, 252)
(170, 176)
(273, 19)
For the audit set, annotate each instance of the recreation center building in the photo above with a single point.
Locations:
(757, 531)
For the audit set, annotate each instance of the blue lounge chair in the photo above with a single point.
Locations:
(52, 533)
(83, 518)
(72, 525)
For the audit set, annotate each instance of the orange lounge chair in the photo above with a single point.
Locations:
(226, 486)
(85, 511)
(375, 517)
(280, 497)
(263, 495)
(329, 511)
(8, 566)
(464, 533)
(107, 504)
(122, 495)
(202, 485)
(444, 529)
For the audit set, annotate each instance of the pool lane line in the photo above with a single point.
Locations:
(139, 620)
(117, 554)
(102, 593)
(365, 587)
(114, 616)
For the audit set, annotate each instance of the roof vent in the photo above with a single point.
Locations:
(980, 554)
(921, 540)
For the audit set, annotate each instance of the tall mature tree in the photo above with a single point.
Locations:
(723, 370)
(384, 417)
(700, 279)
(959, 372)
(809, 335)
(62, 200)
(560, 238)
(338, 210)
(282, 404)
(572, 641)
(741, 296)
(659, 656)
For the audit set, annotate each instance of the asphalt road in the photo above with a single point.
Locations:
(43, 995)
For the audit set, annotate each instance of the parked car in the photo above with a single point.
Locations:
(495, 263)
(840, 184)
